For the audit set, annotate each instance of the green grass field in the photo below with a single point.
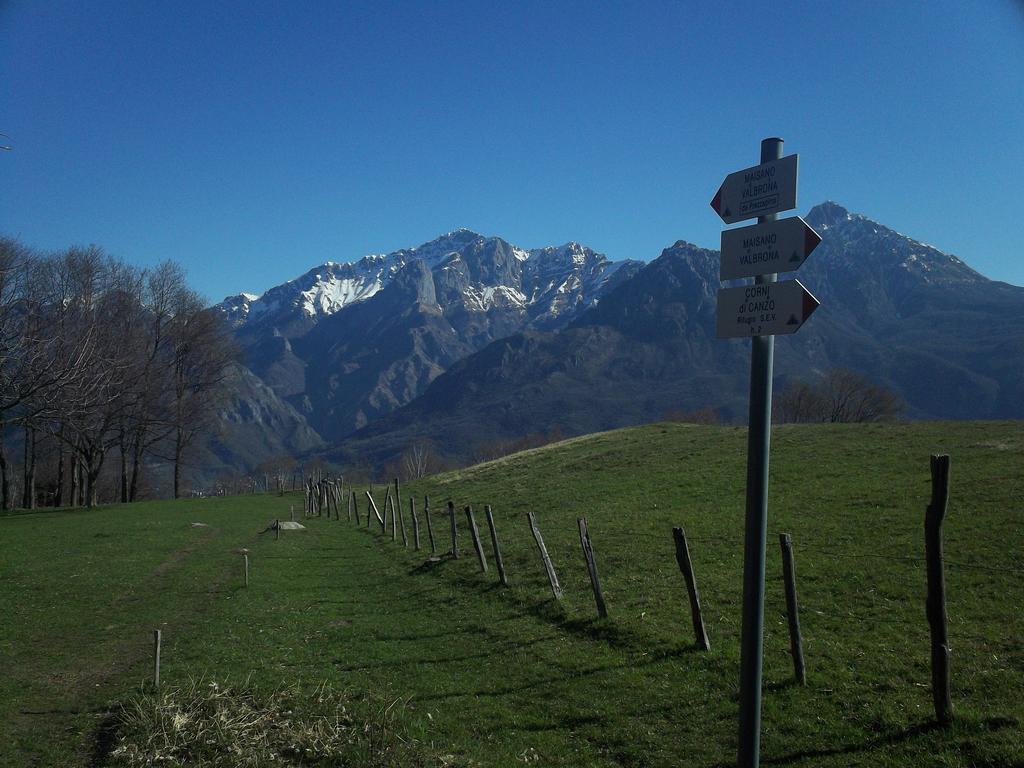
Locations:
(477, 674)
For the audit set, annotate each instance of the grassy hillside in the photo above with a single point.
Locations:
(483, 675)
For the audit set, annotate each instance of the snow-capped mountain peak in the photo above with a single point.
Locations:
(472, 271)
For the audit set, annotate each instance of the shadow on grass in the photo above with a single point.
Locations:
(892, 739)
(502, 649)
(431, 564)
(104, 741)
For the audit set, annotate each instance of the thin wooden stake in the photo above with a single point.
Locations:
(549, 567)
(352, 506)
(401, 519)
(455, 531)
(293, 512)
(686, 567)
(494, 544)
(476, 539)
(387, 506)
(935, 606)
(588, 555)
(246, 558)
(156, 658)
(430, 527)
(796, 641)
(373, 508)
(277, 529)
(415, 523)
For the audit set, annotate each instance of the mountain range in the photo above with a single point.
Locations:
(467, 340)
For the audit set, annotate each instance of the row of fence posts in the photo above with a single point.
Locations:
(320, 495)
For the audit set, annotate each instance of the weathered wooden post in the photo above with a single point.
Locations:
(430, 527)
(351, 506)
(494, 544)
(588, 555)
(245, 557)
(277, 529)
(796, 642)
(477, 545)
(549, 567)
(935, 606)
(373, 508)
(401, 519)
(686, 567)
(455, 531)
(415, 523)
(387, 506)
(156, 658)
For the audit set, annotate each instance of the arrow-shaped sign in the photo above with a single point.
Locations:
(760, 249)
(757, 191)
(764, 309)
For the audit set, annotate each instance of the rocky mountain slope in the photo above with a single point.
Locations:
(912, 318)
(347, 343)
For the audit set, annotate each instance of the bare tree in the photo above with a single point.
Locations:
(203, 357)
(800, 402)
(38, 360)
(419, 460)
(843, 396)
(147, 420)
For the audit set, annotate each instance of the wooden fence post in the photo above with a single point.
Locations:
(686, 567)
(455, 531)
(415, 523)
(156, 658)
(277, 529)
(401, 519)
(430, 527)
(549, 567)
(588, 555)
(351, 506)
(476, 539)
(245, 557)
(796, 641)
(494, 543)
(373, 508)
(388, 505)
(935, 606)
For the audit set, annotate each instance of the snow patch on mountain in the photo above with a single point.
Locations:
(328, 296)
(546, 282)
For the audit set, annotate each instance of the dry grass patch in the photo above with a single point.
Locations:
(209, 724)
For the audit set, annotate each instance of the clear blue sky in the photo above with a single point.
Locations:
(253, 140)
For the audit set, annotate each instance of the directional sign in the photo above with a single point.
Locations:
(758, 191)
(764, 309)
(775, 246)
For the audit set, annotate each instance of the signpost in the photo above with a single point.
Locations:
(759, 311)
(757, 191)
(776, 246)
(764, 309)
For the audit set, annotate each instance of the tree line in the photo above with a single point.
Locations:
(101, 362)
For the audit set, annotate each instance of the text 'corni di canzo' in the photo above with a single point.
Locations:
(758, 298)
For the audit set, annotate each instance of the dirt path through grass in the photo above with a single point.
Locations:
(82, 618)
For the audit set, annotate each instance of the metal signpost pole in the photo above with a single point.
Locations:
(755, 538)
